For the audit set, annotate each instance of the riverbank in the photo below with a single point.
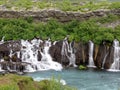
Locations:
(16, 82)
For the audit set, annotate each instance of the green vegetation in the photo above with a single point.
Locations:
(81, 67)
(93, 29)
(65, 5)
(16, 82)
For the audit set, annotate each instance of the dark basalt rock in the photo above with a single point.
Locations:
(10, 45)
(6, 47)
(78, 53)
(102, 51)
(62, 16)
(13, 66)
(81, 53)
(86, 53)
(39, 56)
(109, 58)
(55, 51)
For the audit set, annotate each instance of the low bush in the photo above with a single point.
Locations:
(81, 67)
(84, 31)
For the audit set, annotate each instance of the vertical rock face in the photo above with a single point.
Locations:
(46, 15)
(109, 58)
(100, 55)
(86, 53)
(95, 52)
(38, 54)
(78, 53)
(55, 51)
(81, 53)
(6, 47)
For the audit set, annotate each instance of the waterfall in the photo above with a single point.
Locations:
(91, 48)
(29, 53)
(0, 68)
(116, 64)
(68, 51)
(104, 61)
(35, 55)
(2, 40)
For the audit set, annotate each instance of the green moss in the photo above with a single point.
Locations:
(81, 67)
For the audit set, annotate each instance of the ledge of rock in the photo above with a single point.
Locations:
(46, 15)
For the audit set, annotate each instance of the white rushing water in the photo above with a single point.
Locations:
(103, 63)
(2, 40)
(1, 69)
(91, 48)
(116, 64)
(68, 51)
(29, 53)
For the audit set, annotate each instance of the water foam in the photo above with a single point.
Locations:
(91, 48)
(29, 52)
(116, 64)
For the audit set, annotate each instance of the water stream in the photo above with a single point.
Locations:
(116, 64)
(91, 48)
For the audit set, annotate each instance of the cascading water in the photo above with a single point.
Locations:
(1, 42)
(91, 48)
(29, 53)
(1, 69)
(33, 55)
(67, 48)
(104, 61)
(47, 59)
(116, 64)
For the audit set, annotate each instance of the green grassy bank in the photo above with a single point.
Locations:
(65, 5)
(16, 82)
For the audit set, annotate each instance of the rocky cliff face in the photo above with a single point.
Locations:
(64, 52)
(46, 15)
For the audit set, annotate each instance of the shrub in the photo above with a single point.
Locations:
(17, 29)
(81, 67)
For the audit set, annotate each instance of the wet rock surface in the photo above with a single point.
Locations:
(66, 53)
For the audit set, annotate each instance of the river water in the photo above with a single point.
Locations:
(83, 79)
